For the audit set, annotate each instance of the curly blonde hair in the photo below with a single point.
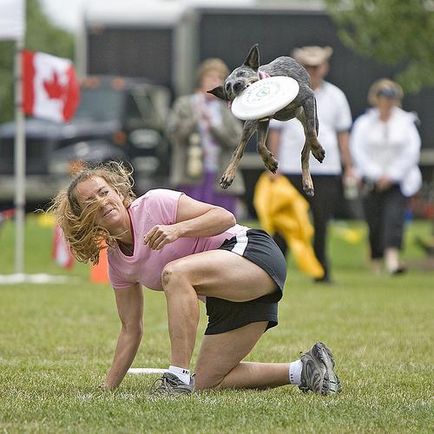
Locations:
(85, 237)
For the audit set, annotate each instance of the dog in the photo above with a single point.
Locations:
(303, 107)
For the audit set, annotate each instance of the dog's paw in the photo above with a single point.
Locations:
(308, 187)
(319, 153)
(271, 164)
(309, 191)
(226, 181)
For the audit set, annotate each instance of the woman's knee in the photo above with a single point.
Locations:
(173, 272)
(204, 380)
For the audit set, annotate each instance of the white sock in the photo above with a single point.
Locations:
(295, 372)
(391, 257)
(182, 373)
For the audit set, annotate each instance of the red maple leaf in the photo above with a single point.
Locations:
(53, 87)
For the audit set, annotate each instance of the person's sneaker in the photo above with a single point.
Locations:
(318, 374)
(170, 384)
(401, 269)
(325, 280)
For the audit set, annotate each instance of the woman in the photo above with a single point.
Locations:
(385, 145)
(204, 133)
(166, 241)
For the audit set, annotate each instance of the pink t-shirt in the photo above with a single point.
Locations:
(145, 265)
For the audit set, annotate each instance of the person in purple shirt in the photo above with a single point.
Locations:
(169, 242)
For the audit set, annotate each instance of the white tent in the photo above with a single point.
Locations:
(12, 20)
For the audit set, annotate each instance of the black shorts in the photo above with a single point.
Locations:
(258, 247)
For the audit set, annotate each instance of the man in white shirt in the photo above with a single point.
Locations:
(286, 140)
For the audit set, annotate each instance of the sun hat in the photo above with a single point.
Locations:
(312, 55)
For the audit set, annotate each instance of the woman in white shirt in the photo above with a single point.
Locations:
(385, 146)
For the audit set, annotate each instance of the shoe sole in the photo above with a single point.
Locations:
(330, 384)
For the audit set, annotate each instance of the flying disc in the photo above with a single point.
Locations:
(264, 98)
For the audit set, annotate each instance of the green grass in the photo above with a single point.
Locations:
(57, 341)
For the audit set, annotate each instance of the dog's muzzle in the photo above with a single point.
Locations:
(236, 88)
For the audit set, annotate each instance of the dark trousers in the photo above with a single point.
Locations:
(385, 215)
(322, 206)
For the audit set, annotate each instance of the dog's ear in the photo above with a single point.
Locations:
(219, 92)
(252, 59)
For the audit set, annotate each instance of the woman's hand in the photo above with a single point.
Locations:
(161, 235)
(103, 387)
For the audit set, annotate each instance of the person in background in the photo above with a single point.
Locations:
(385, 145)
(286, 140)
(204, 133)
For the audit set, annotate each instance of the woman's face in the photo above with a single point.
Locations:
(110, 210)
(385, 103)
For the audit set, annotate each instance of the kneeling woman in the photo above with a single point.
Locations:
(169, 242)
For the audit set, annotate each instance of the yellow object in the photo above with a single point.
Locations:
(281, 208)
(351, 236)
(46, 219)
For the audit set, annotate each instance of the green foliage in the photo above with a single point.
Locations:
(395, 32)
(41, 35)
(57, 342)
(7, 50)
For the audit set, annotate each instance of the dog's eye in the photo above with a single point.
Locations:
(241, 74)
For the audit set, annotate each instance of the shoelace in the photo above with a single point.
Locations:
(162, 384)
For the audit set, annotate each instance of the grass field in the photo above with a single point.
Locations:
(57, 341)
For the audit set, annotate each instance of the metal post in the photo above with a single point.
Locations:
(20, 163)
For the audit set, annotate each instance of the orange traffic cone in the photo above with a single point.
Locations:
(99, 272)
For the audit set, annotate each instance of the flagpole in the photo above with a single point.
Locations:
(20, 162)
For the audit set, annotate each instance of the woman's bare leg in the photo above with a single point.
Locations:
(223, 369)
(215, 273)
(229, 276)
(183, 318)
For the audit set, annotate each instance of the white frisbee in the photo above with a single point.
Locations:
(265, 97)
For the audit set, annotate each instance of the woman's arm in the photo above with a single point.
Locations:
(194, 219)
(129, 302)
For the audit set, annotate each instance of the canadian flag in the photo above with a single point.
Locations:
(50, 86)
(61, 252)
